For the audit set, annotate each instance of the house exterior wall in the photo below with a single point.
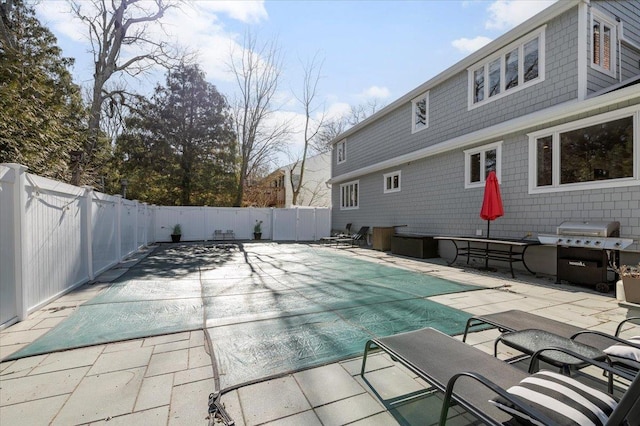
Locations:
(629, 14)
(449, 115)
(433, 198)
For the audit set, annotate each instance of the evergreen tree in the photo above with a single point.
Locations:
(41, 113)
(179, 147)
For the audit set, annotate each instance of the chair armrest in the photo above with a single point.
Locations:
(630, 319)
(525, 408)
(603, 365)
(606, 336)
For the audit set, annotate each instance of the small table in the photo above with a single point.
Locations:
(530, 341)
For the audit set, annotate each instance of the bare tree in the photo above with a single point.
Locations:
(113, 24)
(312, 126)
(257, 71)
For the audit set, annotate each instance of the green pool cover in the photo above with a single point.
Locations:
(268, 308)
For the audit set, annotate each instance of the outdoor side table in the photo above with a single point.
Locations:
(530, 341)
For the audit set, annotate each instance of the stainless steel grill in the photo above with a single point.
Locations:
(592, 235)
(585, 251)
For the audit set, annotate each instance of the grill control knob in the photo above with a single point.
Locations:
(587, 242)
(577, 241)
(597, 243)
(568, 241)
(617, 244)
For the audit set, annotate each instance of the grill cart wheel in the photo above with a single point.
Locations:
(602, 287)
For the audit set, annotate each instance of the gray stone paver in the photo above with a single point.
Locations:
(167, 379)
(30, 388)
(327, 384)
(36, 412)
(68, 359)
(349, 410)
(271, 400)
(168, 362)
(121, 360)
(154, 392)
(101, 397)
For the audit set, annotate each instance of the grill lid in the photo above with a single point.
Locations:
(591, 229)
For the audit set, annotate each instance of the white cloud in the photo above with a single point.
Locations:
(249, 12)
(375, 92)
(506, 14)
(470, 45)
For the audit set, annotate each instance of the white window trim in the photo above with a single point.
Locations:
(519, 44)
(586, 122)
(342, 143)
(384, 182)
(342, 185)
(481, 150)
(610, 21)
(425, 97)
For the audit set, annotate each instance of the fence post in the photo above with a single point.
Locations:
(88, 228)
(19, 248)
(118, 228)
(135, 226)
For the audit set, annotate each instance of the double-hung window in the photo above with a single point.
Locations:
(392, 182)
(349, 195)
(420, 113)
(341, 151)
(596, 152)
(479, 162)
(604, 40)
(519, 65)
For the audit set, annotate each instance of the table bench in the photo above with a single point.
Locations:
(511, 250)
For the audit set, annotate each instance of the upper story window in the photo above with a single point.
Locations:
(392, 182)
(519, 65)
(479, 162)
(604, 40)
(341, 151)
(420, 113)
(349, 195)
(597, 152)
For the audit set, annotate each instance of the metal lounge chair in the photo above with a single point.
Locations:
(516, 320)
(357, 238)
(444, 363)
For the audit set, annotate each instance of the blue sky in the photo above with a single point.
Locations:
(371, 49)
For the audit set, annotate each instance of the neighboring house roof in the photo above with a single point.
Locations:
(519, 31)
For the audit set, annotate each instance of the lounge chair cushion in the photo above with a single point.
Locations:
(624, 351)
(561, 398)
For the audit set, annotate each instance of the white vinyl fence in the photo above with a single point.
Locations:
(55, 237)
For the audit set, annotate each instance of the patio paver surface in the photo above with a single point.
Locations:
(167, 379)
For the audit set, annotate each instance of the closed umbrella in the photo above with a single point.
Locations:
(491, 205)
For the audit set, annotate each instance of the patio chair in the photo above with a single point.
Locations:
(357, 238)
(493, 390)
(217, 234)
(623, 353)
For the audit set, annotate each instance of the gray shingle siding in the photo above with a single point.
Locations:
(628, 11)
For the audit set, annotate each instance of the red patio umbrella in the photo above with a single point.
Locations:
(491, 206)
(492, 202)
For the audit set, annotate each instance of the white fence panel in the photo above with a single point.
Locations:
(8, 306)
(54, 254)
(104, 240)
(323, 223)
(128, 227)
(306, 225)
(285, 224)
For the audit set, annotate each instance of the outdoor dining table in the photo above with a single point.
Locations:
(512, 252)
